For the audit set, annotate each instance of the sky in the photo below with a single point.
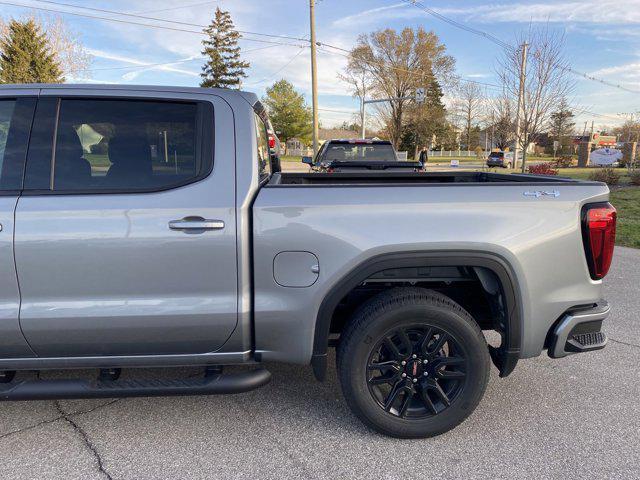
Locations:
(602, 39)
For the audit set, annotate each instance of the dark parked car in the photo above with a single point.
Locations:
(498, 159)
(356, 155)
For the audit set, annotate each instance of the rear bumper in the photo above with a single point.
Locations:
(579, 331)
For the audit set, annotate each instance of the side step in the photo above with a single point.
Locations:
(216, 383)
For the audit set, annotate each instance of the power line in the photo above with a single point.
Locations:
(505, 45)
(174, 22)
(270, 77)
(135, 66)
(130, 22)
(411, 72)
(346, 112)
(179, 7)
(456, 24)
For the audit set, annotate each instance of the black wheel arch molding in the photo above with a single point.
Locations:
(504, 357)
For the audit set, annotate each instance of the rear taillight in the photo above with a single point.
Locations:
(272, 141)
(599, 236)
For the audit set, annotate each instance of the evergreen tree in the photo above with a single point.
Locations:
(561, 124)
(425, 121)
(223, 69)
(26, 55)
(289, 114)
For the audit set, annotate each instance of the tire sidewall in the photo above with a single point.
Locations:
(417, 313)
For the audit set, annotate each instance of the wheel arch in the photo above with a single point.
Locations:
(505, 357)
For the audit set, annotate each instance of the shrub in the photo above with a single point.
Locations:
(635, 177)
(542, 169)
(607, 175)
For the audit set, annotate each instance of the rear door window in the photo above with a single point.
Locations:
(15, 123)
(6, 113)
(125, 145)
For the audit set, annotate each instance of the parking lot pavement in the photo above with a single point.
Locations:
(574, 418)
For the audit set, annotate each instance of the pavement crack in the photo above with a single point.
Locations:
(55, 419)
(31, 427)
(85, 437)
(624, 343)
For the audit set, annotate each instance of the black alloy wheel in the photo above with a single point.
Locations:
(416, 371)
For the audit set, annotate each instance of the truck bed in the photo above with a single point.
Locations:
(421, 178)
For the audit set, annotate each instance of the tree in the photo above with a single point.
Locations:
(397, 63)
(26, 55)
(426, 122)
(358, 77)
(223, 69)
(502, 121)
(289, 114)
(561, 124)
(629, 131)
(64, 44)
(469, 107)
(547, 80)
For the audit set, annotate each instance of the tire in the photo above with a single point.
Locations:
(368, 368)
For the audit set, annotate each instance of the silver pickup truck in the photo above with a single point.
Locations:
(150, 227)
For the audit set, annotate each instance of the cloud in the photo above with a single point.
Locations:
(587, 11)
(365, 16)
(165, 67)
(479, 75)
(600, 12)
(628, 69)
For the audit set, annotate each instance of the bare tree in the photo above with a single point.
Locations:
(469, 107)
(397, 63)
(358, 76)
(546, 83)
(65, 44)
(502, 120)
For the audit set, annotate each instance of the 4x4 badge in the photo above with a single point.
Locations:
(540, 193)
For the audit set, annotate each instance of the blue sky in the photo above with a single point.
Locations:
(602, 39)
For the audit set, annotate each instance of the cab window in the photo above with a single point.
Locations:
(262, 139)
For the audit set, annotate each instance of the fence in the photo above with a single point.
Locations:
(455, 153)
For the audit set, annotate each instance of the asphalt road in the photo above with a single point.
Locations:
(573, 418)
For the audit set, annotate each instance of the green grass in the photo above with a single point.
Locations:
(627, 202)
(584, 173)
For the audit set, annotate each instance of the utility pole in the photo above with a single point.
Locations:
(314, 76)
(523, 72)
(363, 118)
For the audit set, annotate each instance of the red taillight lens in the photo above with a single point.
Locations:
(272, 141)
(599, 236)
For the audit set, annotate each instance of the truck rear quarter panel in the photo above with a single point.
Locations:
(343, 225)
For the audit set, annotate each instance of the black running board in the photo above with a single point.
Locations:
(60, 389)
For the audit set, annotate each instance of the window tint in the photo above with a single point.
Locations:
(355, 153)
(6, 113)
(264, 158)
(15, 124)
(125, 145)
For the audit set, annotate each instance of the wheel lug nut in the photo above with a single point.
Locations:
(425, 361)
(414, 356)
(403, 362)
(404, 375)
(425, 374)
(415, 380)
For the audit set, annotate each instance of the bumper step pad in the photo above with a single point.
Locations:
(586, 342)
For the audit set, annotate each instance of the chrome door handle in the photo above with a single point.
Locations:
(196, 223)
